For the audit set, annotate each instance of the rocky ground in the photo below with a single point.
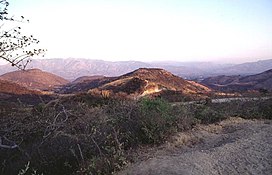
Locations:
(233, 146)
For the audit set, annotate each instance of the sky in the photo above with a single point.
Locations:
(229, 31)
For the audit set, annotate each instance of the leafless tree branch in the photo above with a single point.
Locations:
(12, 146)
(14, 46)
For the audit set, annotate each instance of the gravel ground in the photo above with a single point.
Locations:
(234, 146)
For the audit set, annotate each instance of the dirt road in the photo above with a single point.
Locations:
(234, 146)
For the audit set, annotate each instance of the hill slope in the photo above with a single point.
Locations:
(83, 84)
(146, 81)
(35, 79)
(7, 87)
(239, 83)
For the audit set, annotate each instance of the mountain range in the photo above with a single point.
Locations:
(237, 83)
(138, 83)
(73, 68)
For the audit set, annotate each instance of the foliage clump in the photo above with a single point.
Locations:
(87, 135)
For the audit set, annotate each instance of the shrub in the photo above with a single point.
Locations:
(206, 114)
(265, 108)
(156, 120)
(90, 135)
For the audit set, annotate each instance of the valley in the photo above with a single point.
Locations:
(116, 87)
(97, 123)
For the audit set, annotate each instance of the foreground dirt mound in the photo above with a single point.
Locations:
(234, 146)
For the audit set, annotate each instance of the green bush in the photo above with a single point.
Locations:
(156, 120)
(206, 114)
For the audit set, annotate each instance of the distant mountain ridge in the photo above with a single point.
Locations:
(261, 81)
(73, 68)
(248, 68)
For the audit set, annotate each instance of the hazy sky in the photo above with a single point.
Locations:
(151, 30)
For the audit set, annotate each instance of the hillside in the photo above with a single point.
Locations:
(86, 78)
(83, 84)
(34, 79)
(222, 79)
(241, 83)
(7, 87)
(146, 81)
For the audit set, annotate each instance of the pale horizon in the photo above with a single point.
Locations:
(223, 31)
(3, 62)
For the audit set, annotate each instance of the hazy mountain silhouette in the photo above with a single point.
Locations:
(248, 68)
(71, 69)
(241, 83)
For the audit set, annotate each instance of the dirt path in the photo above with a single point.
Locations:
(234, 146)
(223, 100)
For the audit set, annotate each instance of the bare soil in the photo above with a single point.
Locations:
(234, 146)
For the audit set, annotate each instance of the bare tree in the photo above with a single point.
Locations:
(15, 46)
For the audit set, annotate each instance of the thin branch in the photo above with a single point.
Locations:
(116, 139)
(10, 61)
(100, 152)
(7, 146)
(55, 124)
(80, 151)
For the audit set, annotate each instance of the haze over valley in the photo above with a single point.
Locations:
(136, 79)
(73, 68)
(135, 87)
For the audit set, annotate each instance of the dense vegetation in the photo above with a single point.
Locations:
(84, 134)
